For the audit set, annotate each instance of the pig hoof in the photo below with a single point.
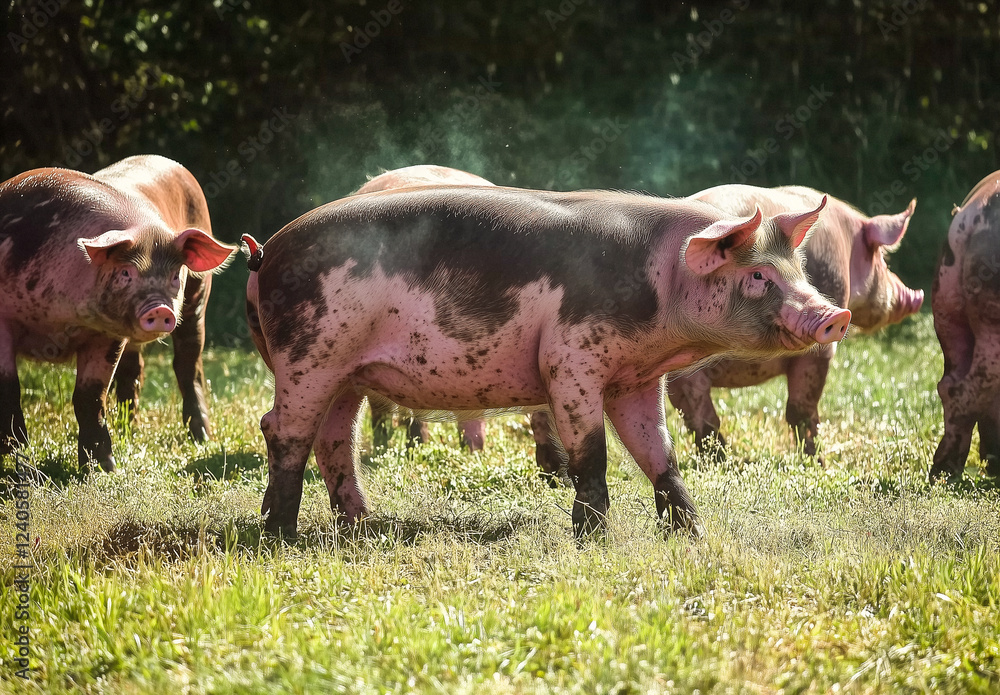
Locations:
(285, 532)
(587, 521)
(945, 474)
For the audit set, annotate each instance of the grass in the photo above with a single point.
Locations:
(853, 577)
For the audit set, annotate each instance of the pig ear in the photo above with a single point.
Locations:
(99, 248)
(888, 230)
(796, 225)
(708, 249)
(202, 252)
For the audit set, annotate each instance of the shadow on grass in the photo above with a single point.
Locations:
(52, 470)
(225, 465)
(386, 531)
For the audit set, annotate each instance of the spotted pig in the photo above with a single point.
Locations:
(845, 261)
(473, 299)
(91, 263)
(966, 304)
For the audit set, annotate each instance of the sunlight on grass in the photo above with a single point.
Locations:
(849, 577)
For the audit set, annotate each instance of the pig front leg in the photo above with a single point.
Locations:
(692, 396)
(579, 418)
(189, 342)
(549, 457)
(806, 379)
(128, 379)
(335, 454)
(95, 365)
(640, 421)
(13, 432)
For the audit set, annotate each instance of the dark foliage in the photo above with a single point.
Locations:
(278, 107)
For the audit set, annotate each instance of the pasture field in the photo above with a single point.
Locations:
(854, 576)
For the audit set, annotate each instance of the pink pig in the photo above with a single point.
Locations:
(473, 432)
(89, 264)
(471, 299)
(845, 261)
(966, 303)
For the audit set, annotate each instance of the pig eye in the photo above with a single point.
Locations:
(758, 275)
(126, 273)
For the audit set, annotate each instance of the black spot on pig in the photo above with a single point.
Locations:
(474, 250)
(947, 255)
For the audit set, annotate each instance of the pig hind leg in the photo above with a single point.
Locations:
(335, 448)
(189, 342)
(290, 428)
(13, 432)
(692, 396)
(381, 425)
(128, 380)
(806, 379)
(989, 438)
(967, 399)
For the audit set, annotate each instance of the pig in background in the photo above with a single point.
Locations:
(471, 432)
(485, 298)
(966, 303)
(89, 264)
(845, 261)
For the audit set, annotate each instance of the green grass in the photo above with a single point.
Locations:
(853, 577)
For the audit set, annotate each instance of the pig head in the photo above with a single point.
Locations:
(845, 260)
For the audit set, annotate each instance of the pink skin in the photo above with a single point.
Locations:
(84, 265)
(472, 432)
(845, 259)
(374, 328)
(966, 304)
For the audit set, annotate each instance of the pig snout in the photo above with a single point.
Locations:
(158, 318)
(832, 328)
(907, 302)
(812, 322)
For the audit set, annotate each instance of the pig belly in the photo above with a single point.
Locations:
(737, 374)
(52, 344)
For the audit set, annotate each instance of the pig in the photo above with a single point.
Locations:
(472, 432)
(845, 260)
(176, 195)
(89, 264)
(474, 299)
(965, 300)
